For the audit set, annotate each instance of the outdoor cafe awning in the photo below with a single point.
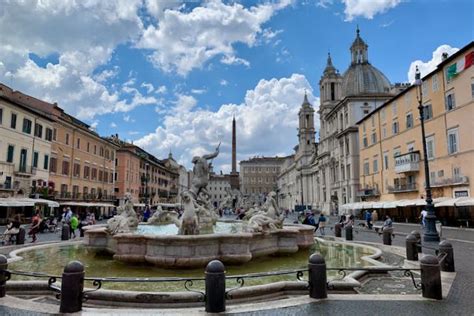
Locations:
(441, 201)
(21, 202)
(87, 204)
(462, 201)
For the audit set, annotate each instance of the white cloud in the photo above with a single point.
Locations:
(182, 41)
(161, 89)
(148, 86)
(198, 91)
(361, 8)
(268, 34)
(223, 82)
(127, 118)
(426, 67)
(113, 125)
(83, 35)
(266, 123)
(232, 60)
(107, 74)
(367, 8)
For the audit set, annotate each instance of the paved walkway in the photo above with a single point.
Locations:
(459, 301)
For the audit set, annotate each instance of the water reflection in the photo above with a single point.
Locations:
(52, 260)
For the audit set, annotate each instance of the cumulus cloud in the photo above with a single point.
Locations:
(362, 8)
(83, 34)
(182, 41)
(223, 82)
(430, 65)
(367, 8)
(266, 123)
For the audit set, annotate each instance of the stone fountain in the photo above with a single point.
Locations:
(262, 233)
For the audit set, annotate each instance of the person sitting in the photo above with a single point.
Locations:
(13, 228)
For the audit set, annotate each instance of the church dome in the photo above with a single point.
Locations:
(363, 78)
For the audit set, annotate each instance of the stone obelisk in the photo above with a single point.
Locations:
(234, 175)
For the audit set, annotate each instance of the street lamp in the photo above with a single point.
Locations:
(145, 179)
(429, 231)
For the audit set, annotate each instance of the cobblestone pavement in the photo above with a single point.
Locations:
(459, 301)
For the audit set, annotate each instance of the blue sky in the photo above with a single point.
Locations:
(170, 75)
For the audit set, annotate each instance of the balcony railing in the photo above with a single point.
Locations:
(25, 170)
(368, 192)
(409, 162)
(457, 180)
(406, 187)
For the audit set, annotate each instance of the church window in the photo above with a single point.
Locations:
(333, 92)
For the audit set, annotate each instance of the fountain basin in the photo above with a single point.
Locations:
(186, 251)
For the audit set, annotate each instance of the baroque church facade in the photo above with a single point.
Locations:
(326, 174)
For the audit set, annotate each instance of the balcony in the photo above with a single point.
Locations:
(405, 187)
(454, 181)
(25, 171)
(368, 192)
(409, 162)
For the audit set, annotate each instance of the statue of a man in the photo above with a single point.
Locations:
(201, 171)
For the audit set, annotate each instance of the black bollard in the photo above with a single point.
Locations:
(418, 240)
(387, 236)
(72, 287)
(446, 249)
(338, 230)
(215, 287)
(430, 277)
(65, 232)
(3, 276)
(20, 237)
(348, 230)
(317, 276)
(411, 247)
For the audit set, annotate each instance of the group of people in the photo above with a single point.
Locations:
(76, 221)
(319, 223)
(38, 224)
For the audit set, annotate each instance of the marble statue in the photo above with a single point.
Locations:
(260, 223)
(201, 171)
(207, 215)
(161, 217)
(189, 224)
(270, 206)
(265, 218)
(126, 220)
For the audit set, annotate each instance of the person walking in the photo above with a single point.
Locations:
(74, 223)
(368, 219)
(322, 224)
(34, 228)
(423, 217)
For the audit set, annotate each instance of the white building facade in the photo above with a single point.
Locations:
(25, 146)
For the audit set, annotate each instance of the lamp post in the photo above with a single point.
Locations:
(429, 231)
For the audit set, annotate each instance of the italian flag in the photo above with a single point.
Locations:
(460, 65)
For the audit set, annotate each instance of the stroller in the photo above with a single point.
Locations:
(52, 224)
